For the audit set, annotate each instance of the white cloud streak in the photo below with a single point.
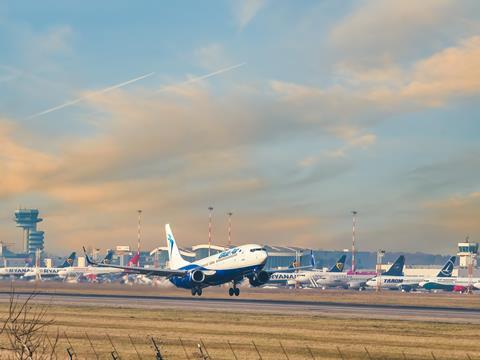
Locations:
(76, 101)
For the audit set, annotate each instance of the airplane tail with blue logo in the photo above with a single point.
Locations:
(175, 259)
(69, 261)
(397, 267)
(447, 268)
(108, 258)
(313, 264)
(339, 265)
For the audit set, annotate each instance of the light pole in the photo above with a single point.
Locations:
(210, 210)
(380, 254)
(229, 229)
(354, 214)
(139, 229)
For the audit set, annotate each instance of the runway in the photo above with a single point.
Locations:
(313, 308)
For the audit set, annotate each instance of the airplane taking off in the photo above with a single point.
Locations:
(408, 283)
(230, 266)
(305, 277)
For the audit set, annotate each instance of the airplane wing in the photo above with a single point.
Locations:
(138, 270)
(293, 269)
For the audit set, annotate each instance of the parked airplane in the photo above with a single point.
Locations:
(356, 279)
(444, 283)
(40, 273)
(408, 283)
(303, 277)
(230, 266)
(92, 273)
(349, 279)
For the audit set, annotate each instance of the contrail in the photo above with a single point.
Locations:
(206, 76)
(75, 101)
(113, 87)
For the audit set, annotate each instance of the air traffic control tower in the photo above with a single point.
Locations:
(27, 219)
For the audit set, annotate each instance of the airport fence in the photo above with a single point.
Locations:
(85, 346)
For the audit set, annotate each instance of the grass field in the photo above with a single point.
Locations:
(301, 336)
(240, 335)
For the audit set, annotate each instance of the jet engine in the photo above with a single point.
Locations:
(197, 276)
(259, 278)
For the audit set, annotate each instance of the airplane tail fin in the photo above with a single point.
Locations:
(312, 260)
(447, 268)
(339, 265)
(108, 258)
(176, 261)
(69, 260)
(397, 267)
(134, 260)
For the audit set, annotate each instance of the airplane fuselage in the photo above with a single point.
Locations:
(230, 265)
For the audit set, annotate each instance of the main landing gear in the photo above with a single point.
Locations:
(234, 290)
(197, 291)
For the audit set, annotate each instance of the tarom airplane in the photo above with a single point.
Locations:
(408, 283)
(460, 284)
(305, 277)
(40, 273)
(230, 266)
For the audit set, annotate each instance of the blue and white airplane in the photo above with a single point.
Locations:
(230, 266)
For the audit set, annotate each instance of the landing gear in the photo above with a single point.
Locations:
(234, 290)
(196, 291)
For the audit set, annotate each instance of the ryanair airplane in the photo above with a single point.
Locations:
(230, 266)
(26, 272)
(306, 278)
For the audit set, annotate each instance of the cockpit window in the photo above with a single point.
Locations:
(257, 249)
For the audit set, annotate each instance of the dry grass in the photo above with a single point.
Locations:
(384, 339)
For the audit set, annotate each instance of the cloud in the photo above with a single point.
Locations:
(440, 177)
(452, 72)
(20, 165)
(212, 56)
(458, 214)
(379, 32)
(55, 39)
(246, 10)
(445, 76)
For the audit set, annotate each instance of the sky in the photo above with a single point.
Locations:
(290, 114)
